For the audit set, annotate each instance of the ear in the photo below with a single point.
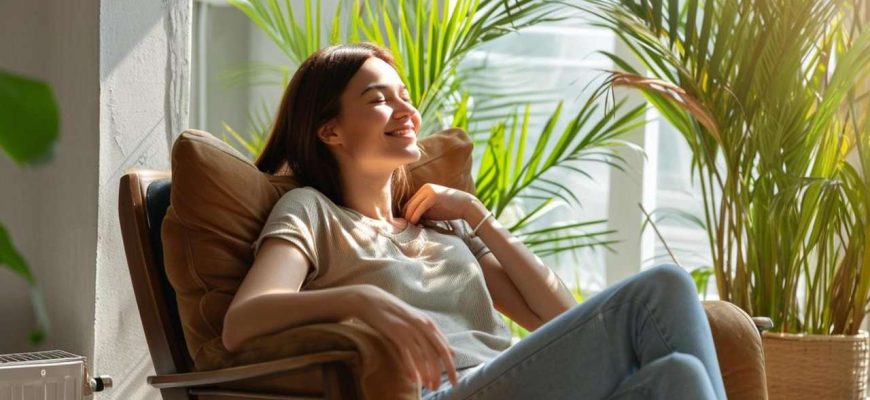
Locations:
(327, 133)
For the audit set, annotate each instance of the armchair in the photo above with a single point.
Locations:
(186, 235)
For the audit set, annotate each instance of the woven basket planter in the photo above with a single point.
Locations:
(816, 366)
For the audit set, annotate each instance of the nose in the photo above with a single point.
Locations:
(404, 109)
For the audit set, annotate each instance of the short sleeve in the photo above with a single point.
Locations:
(475, 243)
(294, 218)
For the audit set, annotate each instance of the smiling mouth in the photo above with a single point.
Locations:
(402, 132)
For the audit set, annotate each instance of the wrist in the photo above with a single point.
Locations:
(355, 300)
(475, 211)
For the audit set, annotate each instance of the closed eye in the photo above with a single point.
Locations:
(385, 100)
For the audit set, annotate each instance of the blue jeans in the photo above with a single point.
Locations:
(645, 337)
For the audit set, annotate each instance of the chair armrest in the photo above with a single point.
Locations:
(762, 323)
(738, 349)
(375, 368)
(232, 374)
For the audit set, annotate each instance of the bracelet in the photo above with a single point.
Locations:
(479, 224)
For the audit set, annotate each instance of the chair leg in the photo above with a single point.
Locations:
(339, 382)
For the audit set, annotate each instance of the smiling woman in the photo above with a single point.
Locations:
(374, 93)
(346, 129)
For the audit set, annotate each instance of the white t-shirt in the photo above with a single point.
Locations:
(432, 266)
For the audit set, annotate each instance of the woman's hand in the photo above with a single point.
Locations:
(423, 348)
(437, 202)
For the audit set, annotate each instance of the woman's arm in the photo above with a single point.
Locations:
(538, 285)
(269, 299)
(505, 296)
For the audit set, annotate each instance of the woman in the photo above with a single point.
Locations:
(429, 269)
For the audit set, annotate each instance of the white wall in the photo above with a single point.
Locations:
(144, 88)
(51, 211)
(120, 71)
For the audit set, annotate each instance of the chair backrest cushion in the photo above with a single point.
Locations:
(219, 203)
(156, 201)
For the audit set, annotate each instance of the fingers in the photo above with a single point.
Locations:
(412, 204)
(420, 209)
(422, 348)
(403, 348)
(445, 354)
(442, 354)
(428, 361)
(415, 354)
(415, 197)
(404, 345)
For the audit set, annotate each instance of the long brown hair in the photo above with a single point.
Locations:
(312, 99)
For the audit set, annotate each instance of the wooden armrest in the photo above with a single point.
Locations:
(231, 374)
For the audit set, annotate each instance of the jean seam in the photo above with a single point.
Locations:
(662, 333)
(650, 315)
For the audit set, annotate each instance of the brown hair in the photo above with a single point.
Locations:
(313, 98)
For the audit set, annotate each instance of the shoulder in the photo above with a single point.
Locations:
(302, 201)
(303, 196)
(302, 193)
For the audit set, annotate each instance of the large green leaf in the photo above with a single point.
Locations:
(28, 119)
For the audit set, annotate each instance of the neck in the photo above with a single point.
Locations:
(371, 195)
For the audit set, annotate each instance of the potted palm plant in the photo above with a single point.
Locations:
(772, 99)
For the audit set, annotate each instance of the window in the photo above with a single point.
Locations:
(564, 65)
(559, 57)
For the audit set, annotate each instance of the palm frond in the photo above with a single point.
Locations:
(763, 94)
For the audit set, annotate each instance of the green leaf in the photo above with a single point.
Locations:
(29, 119)
(11, 258)
(768, 96)
(701, 276)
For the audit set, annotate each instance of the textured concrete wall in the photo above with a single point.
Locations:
(144, 89)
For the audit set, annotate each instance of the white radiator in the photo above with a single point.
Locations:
(47, 375)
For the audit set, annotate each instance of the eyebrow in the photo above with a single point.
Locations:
(379, 86)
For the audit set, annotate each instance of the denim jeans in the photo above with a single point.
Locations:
(645, 337)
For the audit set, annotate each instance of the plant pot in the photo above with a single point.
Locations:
(803, 366)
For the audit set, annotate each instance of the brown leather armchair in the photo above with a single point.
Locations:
(327, 360)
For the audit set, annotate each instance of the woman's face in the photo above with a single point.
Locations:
(374, 105)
